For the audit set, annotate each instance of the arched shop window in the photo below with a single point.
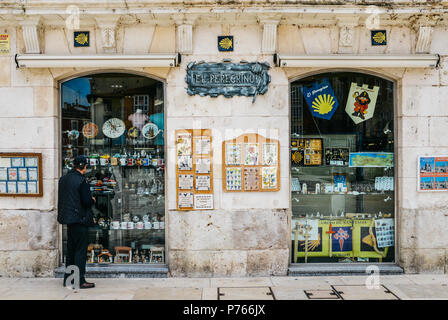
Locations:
(117, 121)
(342, 168)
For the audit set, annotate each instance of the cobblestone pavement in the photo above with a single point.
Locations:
(406, 287)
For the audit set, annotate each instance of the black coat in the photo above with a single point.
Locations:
(74, 200)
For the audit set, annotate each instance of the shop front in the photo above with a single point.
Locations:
(263, 143)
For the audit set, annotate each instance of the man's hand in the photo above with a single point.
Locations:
(94, 200)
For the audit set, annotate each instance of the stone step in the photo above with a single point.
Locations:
(335, 269)
(121, 271)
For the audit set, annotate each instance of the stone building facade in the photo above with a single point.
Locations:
(246, 233)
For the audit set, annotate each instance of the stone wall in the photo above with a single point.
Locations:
(247, 233)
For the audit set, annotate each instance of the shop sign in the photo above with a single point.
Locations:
(4, 44)
(227, 79)
(378, 37)
(81, 39)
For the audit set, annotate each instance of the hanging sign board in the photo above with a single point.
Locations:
(321, 99)
(227, 79)
(361, 102)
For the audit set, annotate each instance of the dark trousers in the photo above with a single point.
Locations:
(77, 242)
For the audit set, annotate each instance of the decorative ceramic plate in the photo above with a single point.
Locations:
(150, 130)
(90, 130)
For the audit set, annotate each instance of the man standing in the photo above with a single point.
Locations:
(75, 210)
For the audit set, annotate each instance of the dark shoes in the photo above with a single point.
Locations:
(87, 285)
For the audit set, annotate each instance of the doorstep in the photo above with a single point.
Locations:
(334, 269)
(121, 271)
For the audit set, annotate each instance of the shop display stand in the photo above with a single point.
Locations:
(244, 142)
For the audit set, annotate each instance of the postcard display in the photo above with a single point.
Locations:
(21, 175)
(432, 173)
(251, 163)
(194, 169)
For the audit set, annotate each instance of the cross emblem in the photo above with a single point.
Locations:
(341, 235)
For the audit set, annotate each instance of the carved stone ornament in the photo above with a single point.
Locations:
(228, 79)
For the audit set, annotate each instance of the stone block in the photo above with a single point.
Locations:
(16, 102)
(443, 70)
(438, 127)
(260, 229)
(421, 76)
(205, 37)
(399, 41)
(438, 44)
(229, 263)
(138, 39)
(290, 41)
(163, 40)
(188, 263)
(422, 260)
(36, 263)
(415, 131)
(365, 42)
(422, 101)
(200, 230)
(57, 41)
(28, 230)
(267, 262)
(318, 40)
(247, 39)
(46, 102)
(26, 77)
(5, 71)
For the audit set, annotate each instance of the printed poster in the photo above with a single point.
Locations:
(251, 154)
(233, 154)
(433, 173)
(203, 183)
(202, 145)
(202, 165)
(307, 152)
(361, 102)
(185, 181)
(321, 99)
(203, 201)
(250, 179)
(183, 143)
(337, 156)
(4, 44)
(385, 232)
(305, 227)
(342, 239)
(269, 178)
(270, 154)
(233, 179)
(371, 159)
(185, 199)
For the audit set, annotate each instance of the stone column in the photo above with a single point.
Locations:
(30, 34)
(184, 35)
(424, 39)
(269, 41)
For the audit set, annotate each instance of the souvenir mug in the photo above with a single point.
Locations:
(147, 225)
(156, 225)
(114, 161)
(123, 161)
(145, 162)
(124, 225)
(162, 225)
(104, 161)
(93, 162)
(131, 162)
(154, 162)
(115, 225)
(139, 225)
(130, 225)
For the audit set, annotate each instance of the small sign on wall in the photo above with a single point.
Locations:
(378, 37)
(432, 173)
(81, 39)
(4, 44)
(225, 43)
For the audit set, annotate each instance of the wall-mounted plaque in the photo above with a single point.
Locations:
(251, 163)
(21, 174)
(227, 79)
(194, 169)
(432, 173)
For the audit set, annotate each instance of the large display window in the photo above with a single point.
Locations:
(117, 121)
(342, 168)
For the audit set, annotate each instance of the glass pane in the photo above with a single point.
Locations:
(342, 169)
(117, 121)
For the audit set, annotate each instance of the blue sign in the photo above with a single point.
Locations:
(81, 39)
(378, 37)
(341, 240)
(321, 99)
(225, 43)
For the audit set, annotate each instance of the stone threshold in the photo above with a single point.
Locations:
(337, 269)
(121, 271)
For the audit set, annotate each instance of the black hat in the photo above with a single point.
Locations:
(80, 161)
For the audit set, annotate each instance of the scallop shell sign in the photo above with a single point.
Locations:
(321, 99)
